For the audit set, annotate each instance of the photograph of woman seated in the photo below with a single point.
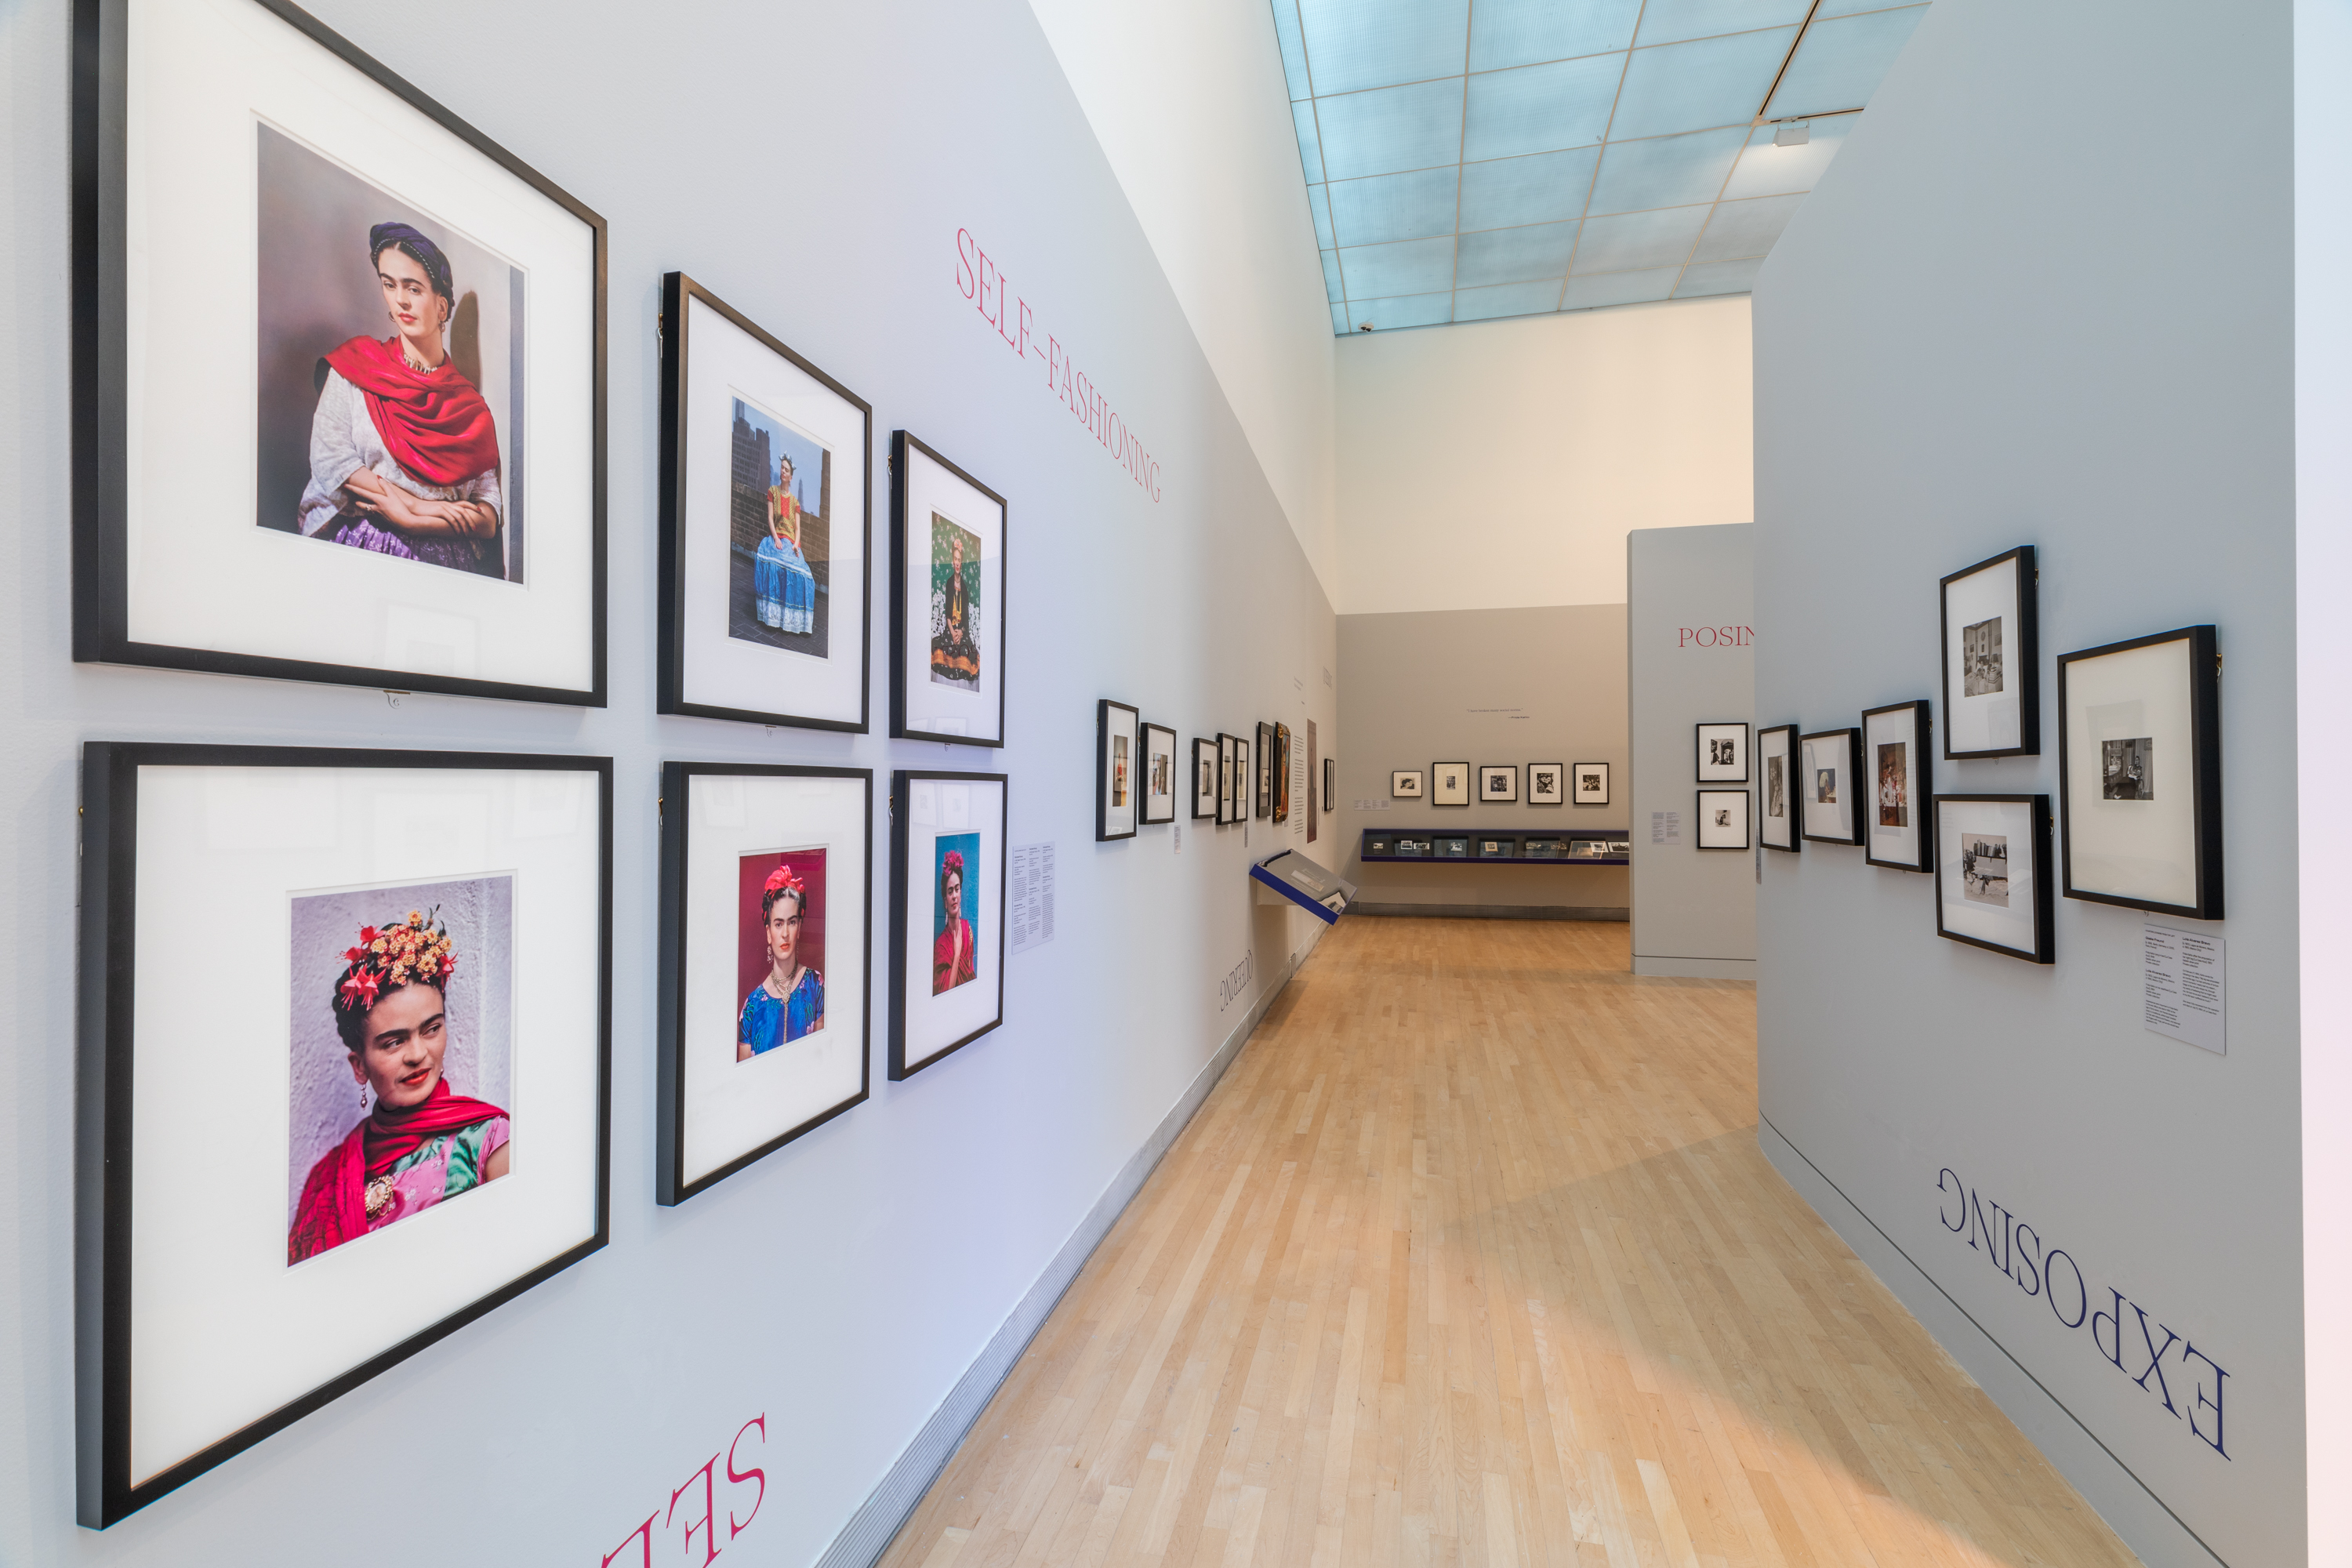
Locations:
(404, 451)
(790, 1001)
(786, 588)
(418, 1145)
(952, 960)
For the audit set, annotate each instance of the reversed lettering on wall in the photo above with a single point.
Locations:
(2185, 1383)
(1235, 984)
(979, 280)
(699, 1521)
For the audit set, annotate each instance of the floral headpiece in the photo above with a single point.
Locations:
(782, 881)
(954, 862)
(417, 951)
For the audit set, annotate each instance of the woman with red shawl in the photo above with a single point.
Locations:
(420, 1144)
(952, 959)
(404, 451)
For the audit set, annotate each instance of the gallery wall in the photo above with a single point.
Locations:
(1515, 685)
(1954, 357)
(815, 166)
(1691, 661)
(1500, 464)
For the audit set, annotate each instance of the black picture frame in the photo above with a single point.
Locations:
(1791, 839)
(1282, 773)
(1437, 791)
(1709, 772)
(1115, 721)
(1913, 723)
(681, 297)
(901, 836)
(1845, 745)
(1262, 775)
(2019, 603)
(1488, 776)
(1577, 773)
(1143, 798)
(671, 1185)
(905, 449)
(106, 1149)
(1708, 837)
(1231, 788)
(2042, 947)
(2080, 774)
(1330, 783)
(1204, 766)
(1407, 783)
(99, 401)
(1563, 783)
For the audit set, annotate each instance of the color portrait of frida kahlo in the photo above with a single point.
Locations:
(788, 1001)
(416, 1145)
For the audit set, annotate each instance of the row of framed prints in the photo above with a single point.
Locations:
(406, 1120)
(1548, 784)
(2138, 821)
(423, 436)
(1135, 774)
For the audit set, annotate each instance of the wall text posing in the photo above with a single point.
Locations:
(2017, 1250)
(1717, 636)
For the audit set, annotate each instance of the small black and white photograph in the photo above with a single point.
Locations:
(1984, 869)
(1980, 658)
(1592, 781)
(1776, 786)
(1404, 783)
(1547, 783)
(1825, 786)
(1498, 782)
(1832, 787)
(1778, 800)
(2126, 772)
(1723, 753)
(1451, 783)
(1723, 818)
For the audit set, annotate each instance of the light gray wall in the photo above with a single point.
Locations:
(1482, 686)
(1990, 326)
(812, 163)
(1692, 653)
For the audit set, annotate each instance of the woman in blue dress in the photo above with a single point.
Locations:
(788, 1001)
(784, 587)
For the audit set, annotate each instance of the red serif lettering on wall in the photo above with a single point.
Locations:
(1715, 637)
(693, 1510)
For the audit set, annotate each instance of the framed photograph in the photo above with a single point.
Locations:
(1282, 773)
(1450, 783)
(767, 882)
(1547, 783)
(345, 494)
(1159, 775)
(1723, 753)
(420, 945)
(764, 513)
(1776, 757)
(1237, 782)
(1592, 783)
(1723, 819)
(1118, 746)
(1894, 752)
(1829, 771)
(1498, 782)
(1263, 808)
(1204, 777)
(1330, 783)
(1992, 680)
(947, 613)
(947, 915)
(1307, 785)
(1992, 873)
(1404, 783)
(2139, 774)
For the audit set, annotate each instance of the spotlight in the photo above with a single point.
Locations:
(1364, 326)
(1791, 135)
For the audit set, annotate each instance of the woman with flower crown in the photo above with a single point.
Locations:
(953, 961)
(788, 1001)
(419, 1144)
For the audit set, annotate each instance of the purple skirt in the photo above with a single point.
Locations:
(362, 534)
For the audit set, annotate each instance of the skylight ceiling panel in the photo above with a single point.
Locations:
(1403, 310)
(1294, 48)
(1828, 8)
(1507, 299)
(1766, 170)
(1696, 86)
(1311, 141)
(1718, 278)
(1357, 43)
(1390, 131)
(1745, 228)
(1542, 188)
(1840, 61)
(1628, 241)
(1523, 32)
(1340, 325)
(1514, 255)
(1405, 267)
(1677, 21)
(1605, 289)
(1394, 207)
(1540, 109)
(1665, 170)
(1333, 287)
(1319, 202)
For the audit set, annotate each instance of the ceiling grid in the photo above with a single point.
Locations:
(1473, 159)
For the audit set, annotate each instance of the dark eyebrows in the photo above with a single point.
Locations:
(392, 1038)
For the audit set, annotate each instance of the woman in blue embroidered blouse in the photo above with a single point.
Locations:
(788, 1001)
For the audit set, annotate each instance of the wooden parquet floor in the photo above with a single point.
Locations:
(1472, 1259)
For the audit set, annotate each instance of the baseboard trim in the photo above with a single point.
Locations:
(2130, 1507)
(876, 1523)
(1696, 968)
(1490, 912)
